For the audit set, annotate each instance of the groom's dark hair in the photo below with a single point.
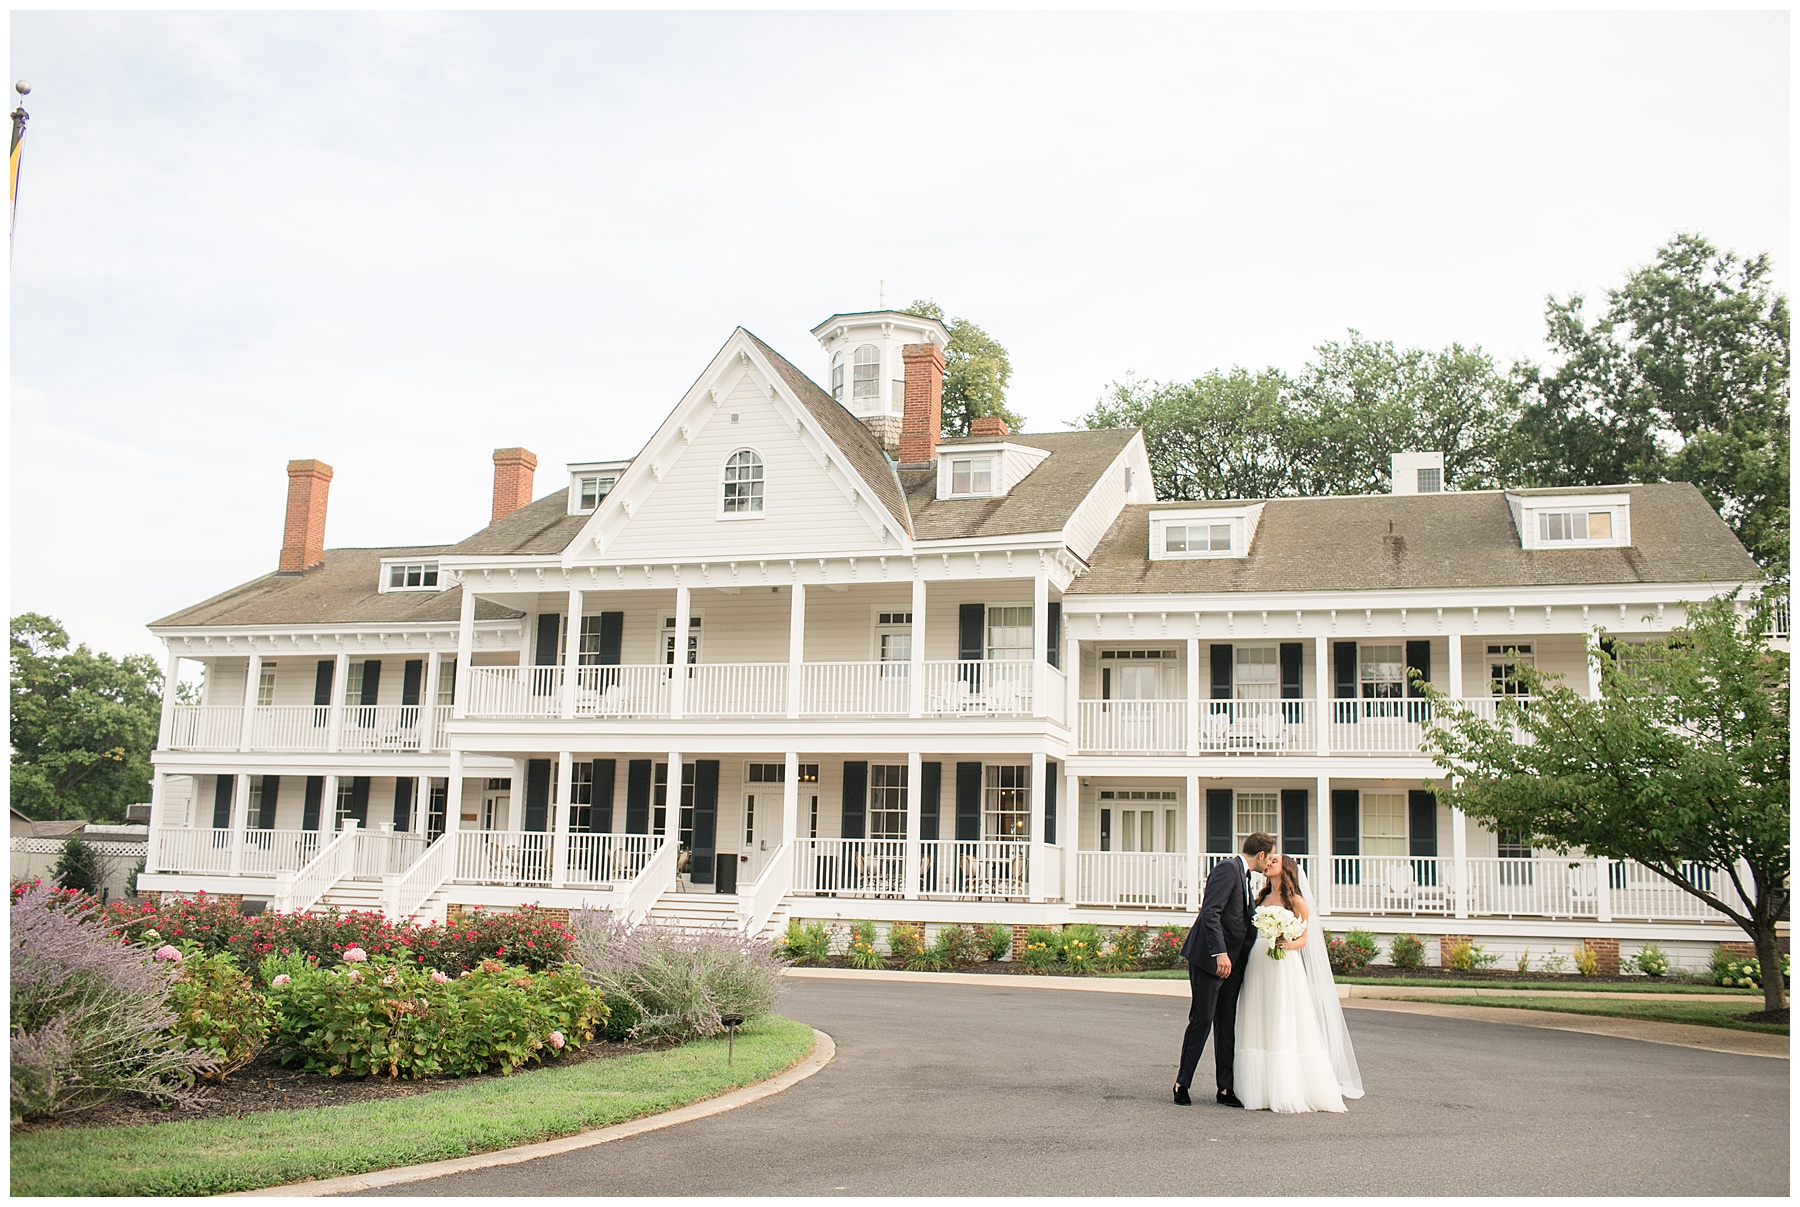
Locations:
(1258, 844)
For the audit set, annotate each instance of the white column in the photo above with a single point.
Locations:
(1193, 696)
(171, 671)
(328, 810)
(1068, 825)
(240, 811)
(571, 654)
(790, 799)
(1322, 693)
(1040, 672)
(465, 648)
(1603, 888)
(559, 844)
(916, 667)
(678, 670)
(159, 797)
(1592, 641)
(1034, 882)
(528, 638)
(453, 796)
(671, 800)
(340, 673)
(796, 646)
(515, 798)
(915, 797)
(1459, 855)
(434, 678)
(1321, 882)
(252, 678)
(1196, 842)
(1072, 674)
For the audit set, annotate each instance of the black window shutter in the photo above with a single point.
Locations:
(1050, 802)
(1053, 635)
(1105, 682)
(706, 820)
(637, 796)
(1293, 821)
(1421, 821)
(1292, 680)
(271, 794)
(1218, 821)
(222, 790)
(931, 791)
(549, 628)
(1106, 829)
(1418, 658)
(600, 815)
(359, 800)
(537, 795)
(856, 791)
(968, 802)
(315, 795)
(371, 684)
(403, 798)
(1343, 679)
(412, 677)
(612, 637)
(971, 641)
(1221, 672)
(322, 687)
(1346, 821)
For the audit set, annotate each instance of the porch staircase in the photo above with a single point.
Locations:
(699, 912)
(348, 895)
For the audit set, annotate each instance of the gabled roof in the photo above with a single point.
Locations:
(541, 526)
(1449, 540)
(1041, 501)
(344, 589)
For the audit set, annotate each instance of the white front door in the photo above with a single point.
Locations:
(493, 810)
(752, 833)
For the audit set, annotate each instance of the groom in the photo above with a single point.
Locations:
(1217, 948)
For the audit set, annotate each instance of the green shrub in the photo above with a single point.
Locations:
(1041, 950)
(1165, 949)
(1124, 950)
(1351, 953)
(681, 984)
(861, 950)
(995, 940)
(218, 1010)
(1464, 956)
(1406, 951)
(808, 944)
(929, 958)
(906, 940)
(1587, 960)
(1555, 962)
(1651, 961)
(78, 866)
(523, 936)
(955, 946)
(1081, 946)
(1743, 972)
(622, 1018)
(1523, 963)
(290, 965)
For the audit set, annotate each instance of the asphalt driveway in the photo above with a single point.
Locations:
(979, 1090)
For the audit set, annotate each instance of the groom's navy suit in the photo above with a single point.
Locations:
(1223, 928)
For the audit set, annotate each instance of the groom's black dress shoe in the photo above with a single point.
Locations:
(1181, 1096)
(1227, 1098)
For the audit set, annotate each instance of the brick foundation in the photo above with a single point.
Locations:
(1743, 951)
(455, 912)
(1019, 931)
(1608, 951)
(234, 900)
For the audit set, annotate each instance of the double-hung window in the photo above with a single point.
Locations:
(265, 686)
(972, 476)
(1384, 823)
(865, 377)
(743, 484)
(412, 576)
(887, 801)
(1256, 813)
(1574, 526)
(1006, 802)
(1503, 663)
(581, 796)
(1381, 675)
(1258, 673)
(1197, 538)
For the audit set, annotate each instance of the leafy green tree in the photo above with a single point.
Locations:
(83, 725)
(1682, 759)
(976, 370)
(1222, 436)
(78, 867)
(1682, 375)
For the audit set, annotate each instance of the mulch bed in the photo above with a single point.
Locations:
(267, 1086)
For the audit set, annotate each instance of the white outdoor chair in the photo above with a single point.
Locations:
(1215, 727)
(1397, 889)
(1584, 891)
(1271, 730)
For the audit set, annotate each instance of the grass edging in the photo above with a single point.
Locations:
(1699, 1013)
(1682, 987)
(274, 1148)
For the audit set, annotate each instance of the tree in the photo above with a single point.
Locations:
(83, 725)
(1222, 436)
(1681, 760)
(78, 867)
(976, 370)
(1682, 376)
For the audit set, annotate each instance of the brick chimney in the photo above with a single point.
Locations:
(303, 537)
(989, 425)
(922, 421)
(513, 470)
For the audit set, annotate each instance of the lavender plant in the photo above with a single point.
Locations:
(677, 983)
(90, 1015)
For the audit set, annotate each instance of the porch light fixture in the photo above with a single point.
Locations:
(732, 1020)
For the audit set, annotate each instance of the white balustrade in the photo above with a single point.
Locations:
(193, 850)
(423, 878)
(622, 691)
(1392, 884)
(376, 727)
(1056, 704)
(271, 851)
(206, 726)
(1052, 865)
(1378, 726)
(503, 857)
(440, 717)
(514, 691)
(1133, 726)
(736, 689)
(855, 689)
(314, 880)
(608, 859)
(983, 868)
(861, 867)
(1257, 726)
(1146, 878)
(637, 898)
(385, 853)
(758, 900)
(978, 688)
(291, 727)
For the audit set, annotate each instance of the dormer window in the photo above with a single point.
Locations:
(1572, 521)
(1196, 538)
(590, 482)
(743, 495)
(410, 576)
(1194, 533)
(865, 380)
(591, 488)
(972, 477)
(1574, 526)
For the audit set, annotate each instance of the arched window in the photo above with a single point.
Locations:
(837, 377)
(865, 381)
(743, 483)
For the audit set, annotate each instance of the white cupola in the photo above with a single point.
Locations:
(866, 368)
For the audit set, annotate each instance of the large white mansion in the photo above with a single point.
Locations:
(983, 679)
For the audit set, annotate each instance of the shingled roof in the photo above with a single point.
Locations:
(1041, 501)
(1455, 539)
(541, 526)
(344, 589)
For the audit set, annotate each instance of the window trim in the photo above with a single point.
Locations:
(1243, 522)
(1531, 511)
(426, 566)
(992, 461)
(760, 496)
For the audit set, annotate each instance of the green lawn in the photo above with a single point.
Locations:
(1705, 1013)
(1645, 986)
(277, 1147)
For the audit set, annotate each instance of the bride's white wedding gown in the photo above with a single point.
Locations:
(1282, 1064)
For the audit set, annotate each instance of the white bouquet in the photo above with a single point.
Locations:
(1274, 924)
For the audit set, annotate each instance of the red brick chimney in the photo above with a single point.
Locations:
(922, 421)
(989, 425)
(303, 537)
(513, 470)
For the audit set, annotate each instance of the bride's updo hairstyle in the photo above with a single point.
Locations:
(1289, 874)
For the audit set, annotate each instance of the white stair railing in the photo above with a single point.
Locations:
(423, 878)
(757, 903)
(325, 869)
(639, 897)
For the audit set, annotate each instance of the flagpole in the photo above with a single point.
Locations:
(19, 118)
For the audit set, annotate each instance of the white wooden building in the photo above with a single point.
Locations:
(981, 679)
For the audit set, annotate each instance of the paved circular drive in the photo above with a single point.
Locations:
(979, 1090)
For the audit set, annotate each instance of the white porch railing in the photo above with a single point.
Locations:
(291, 727)
(1133, 726)
(440, 719)
(1378, 726)
(382, 853)
(330, 865)
(757, 901)
(271, 851)
(1056, 702)
(369, 727)
(855, 689)
(1392, 884)
(193, 850)
(503, 857)
(1257, 726)
(622, 691)
(608, 859)
(736, 689)
(206, 727)
(423, 878)
(1637, 893)
(515, 691)
(985, 868)
(986, 688)
(639, 897)
(1132, 878)
(862, 867)
(1052, 870)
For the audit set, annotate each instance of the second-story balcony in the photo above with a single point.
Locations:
(1262, 727)
(356, 728)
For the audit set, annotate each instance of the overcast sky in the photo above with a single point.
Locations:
(396, 242)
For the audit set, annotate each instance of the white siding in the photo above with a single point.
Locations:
(1102, 505)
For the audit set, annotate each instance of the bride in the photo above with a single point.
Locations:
(1293, 1051)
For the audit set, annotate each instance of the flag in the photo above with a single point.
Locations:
(19, 117)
